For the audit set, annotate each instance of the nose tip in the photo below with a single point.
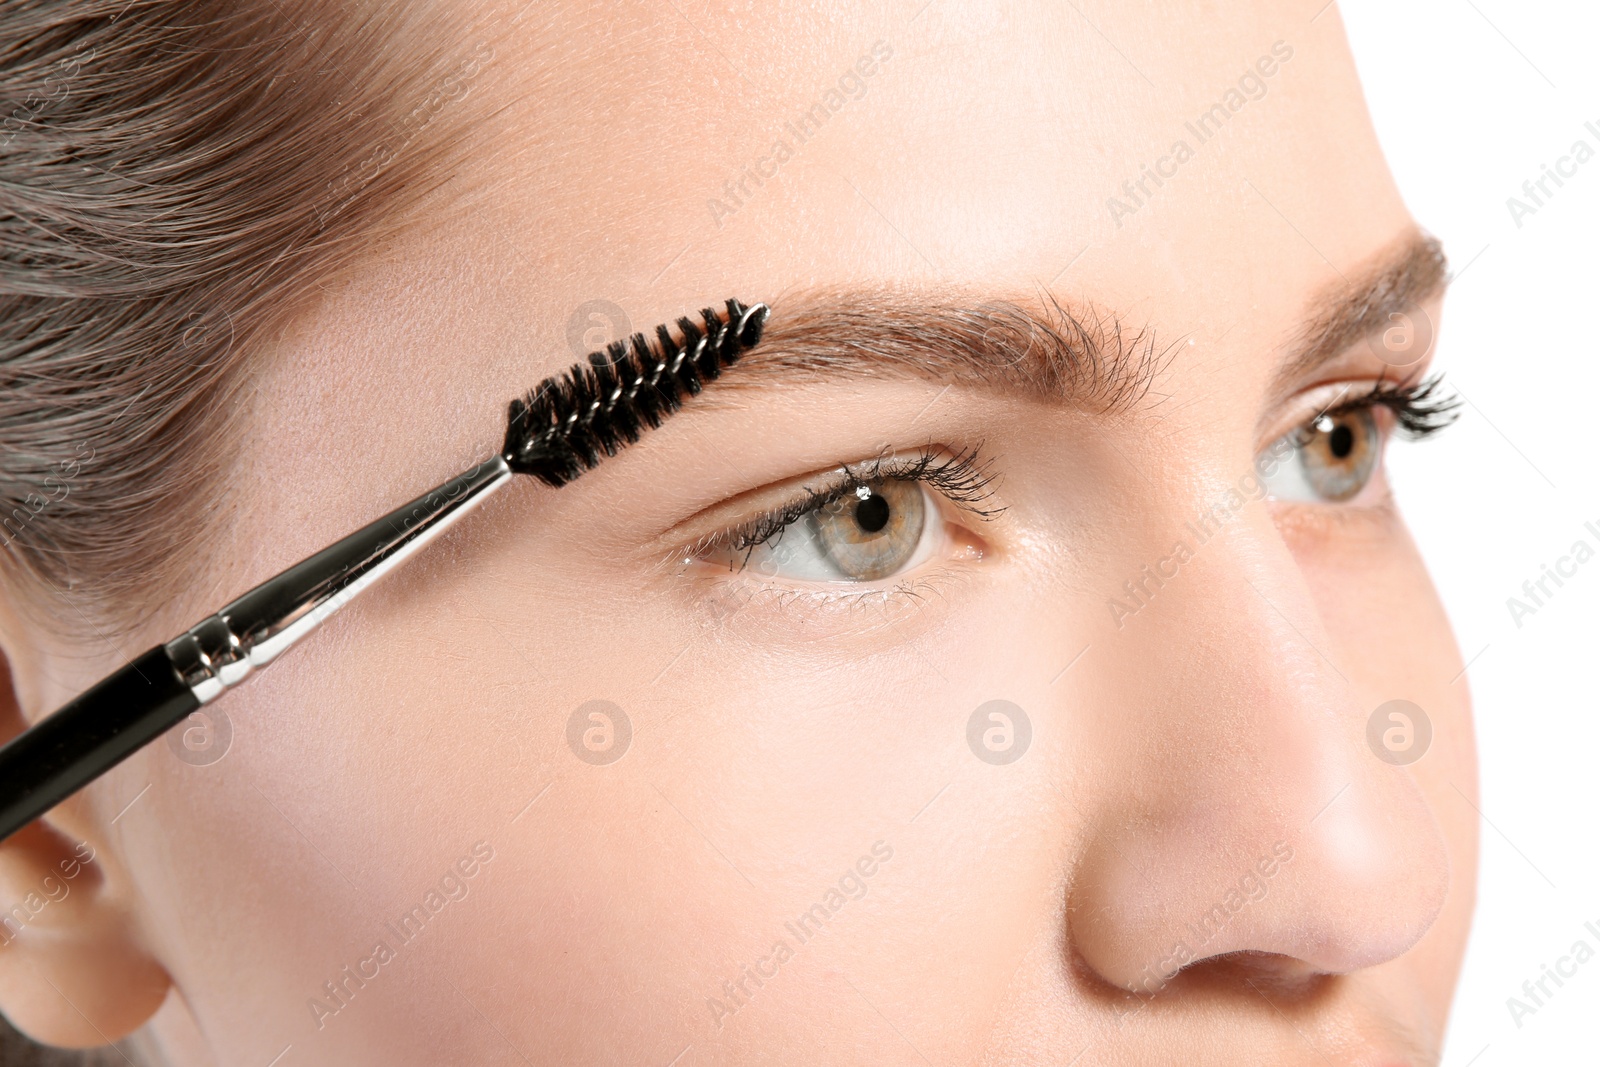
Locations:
(1232, 894)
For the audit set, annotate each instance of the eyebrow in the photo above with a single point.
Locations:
(1395, 282)
(1082, 355)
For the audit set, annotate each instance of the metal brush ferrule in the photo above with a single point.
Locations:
(222, 650)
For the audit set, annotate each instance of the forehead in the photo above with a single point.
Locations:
(1205, 170)
(1205, 153)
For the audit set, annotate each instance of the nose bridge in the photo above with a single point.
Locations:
(1241, 810)
(1239, 679)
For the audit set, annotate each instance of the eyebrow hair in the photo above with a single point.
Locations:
(1084, 355)
(1394, 282)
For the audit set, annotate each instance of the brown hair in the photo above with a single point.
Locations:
(175, 177)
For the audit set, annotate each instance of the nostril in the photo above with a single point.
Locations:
(1285, 982)
(1270, 974)
(1264, 963)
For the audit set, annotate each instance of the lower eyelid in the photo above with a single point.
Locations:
(1349, 524)
(764, 611)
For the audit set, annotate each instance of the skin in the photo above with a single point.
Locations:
(781, 731)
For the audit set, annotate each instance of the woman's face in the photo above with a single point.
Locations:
(1052, 729)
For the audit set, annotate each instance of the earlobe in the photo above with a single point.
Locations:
(72, 969)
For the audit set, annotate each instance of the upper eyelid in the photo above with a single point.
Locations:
(1300, 414)
(1373, 396)
(743, 535)
(849, 476)
(1418, 401)
(1357, 393)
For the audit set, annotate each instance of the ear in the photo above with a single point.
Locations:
(72, 969)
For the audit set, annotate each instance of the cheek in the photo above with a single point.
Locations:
(754, 780)
(750, 780)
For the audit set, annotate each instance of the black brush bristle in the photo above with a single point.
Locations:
(568, 423)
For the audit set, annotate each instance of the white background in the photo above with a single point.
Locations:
(1471, 98)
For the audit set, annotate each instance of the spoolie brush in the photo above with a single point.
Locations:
(562, 428)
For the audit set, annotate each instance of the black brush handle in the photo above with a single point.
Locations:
(81, 741)
(71, 748)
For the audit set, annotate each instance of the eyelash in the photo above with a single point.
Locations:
(965, 479)
(1421, 409)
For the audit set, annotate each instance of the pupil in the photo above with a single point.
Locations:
(872, 514)
(1341, 442)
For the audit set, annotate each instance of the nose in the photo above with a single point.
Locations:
(1240, 812)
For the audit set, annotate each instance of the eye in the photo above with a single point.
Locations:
(864, 533)
(869, 522)
(1328, 460)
